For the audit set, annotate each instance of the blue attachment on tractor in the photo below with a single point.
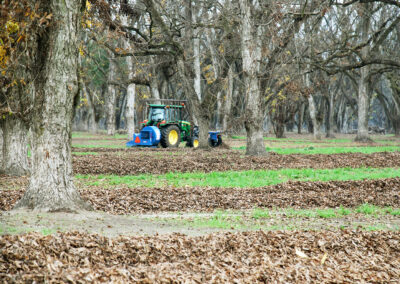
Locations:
(215, 138)
(214, 135)
(149, 136)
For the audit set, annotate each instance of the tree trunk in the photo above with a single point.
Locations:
(313, 115)
(15, 147)
(51, 186)
(396, 127)
(228, 100)
(363, 85)
(331, 109)
(196, 67)
(251, 56)
(363, 107)
(280, 130)
(202, 116)
(92, 124)
(130, 110)
(1, 146)
(301, 118)
(111, 99)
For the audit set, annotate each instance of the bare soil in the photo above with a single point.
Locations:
(248, 257)
(123, 200)
(161, 161)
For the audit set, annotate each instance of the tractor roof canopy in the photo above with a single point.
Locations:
(163, 106)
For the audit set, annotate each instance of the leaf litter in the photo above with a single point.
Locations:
(246, 257)
(161, 161)
(296, 194)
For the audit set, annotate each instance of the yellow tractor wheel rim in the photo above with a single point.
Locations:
(173, 137)
(195, 143)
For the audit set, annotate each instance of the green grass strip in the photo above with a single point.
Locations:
(242, 179)
(329, 150)
(99, 146)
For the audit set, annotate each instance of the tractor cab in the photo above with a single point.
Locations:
(160, 115)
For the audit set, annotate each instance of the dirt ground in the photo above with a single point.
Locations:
(160, 161)
(247, 257)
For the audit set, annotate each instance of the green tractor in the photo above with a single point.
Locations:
(166, 124)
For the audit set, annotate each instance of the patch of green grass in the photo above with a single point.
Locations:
(259, 213)
(219, 220)
(84, 153)
(368, 209)
(242, 179)
(329, 150)
(377, 227)
(343, 211)
(394, 212)
(327, 213)
(98, 146)
(47, 231)
(271, 219)
(302, 213)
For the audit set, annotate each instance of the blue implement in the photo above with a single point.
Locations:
(149, 136)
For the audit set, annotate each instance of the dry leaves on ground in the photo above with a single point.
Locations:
(248, 257)
(384, 192)
(160, 161)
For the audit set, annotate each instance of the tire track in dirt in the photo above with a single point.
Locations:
(157, 161)
(384, 192)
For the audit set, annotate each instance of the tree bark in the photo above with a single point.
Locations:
(111, 98)
(251, 56)
(301, 118)
(363, 85)
(313, 115)
(331, 109)
(196, 108)
(92, 124)
(228, 100)
(15, 147)
(130, 110)
(280, 130)
(51, 186)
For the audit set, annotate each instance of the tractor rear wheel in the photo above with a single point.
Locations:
(170, 136)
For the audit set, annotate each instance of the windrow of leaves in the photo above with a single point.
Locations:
(122, 200)
(248, 257)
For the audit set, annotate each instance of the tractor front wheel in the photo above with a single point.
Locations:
(170, 136)
(193, 142)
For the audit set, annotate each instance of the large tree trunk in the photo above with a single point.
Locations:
(154, 82)
(330, 122)
(363, 106)
(251, 56)
(130, 110)
(202, 116)
(51, 186)
(228, 100)
(301, 118)
(15, 147)
(313, 115)
(1, 146)
(364, 85)
(92, 124)
(111, 99)
(280, 130)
